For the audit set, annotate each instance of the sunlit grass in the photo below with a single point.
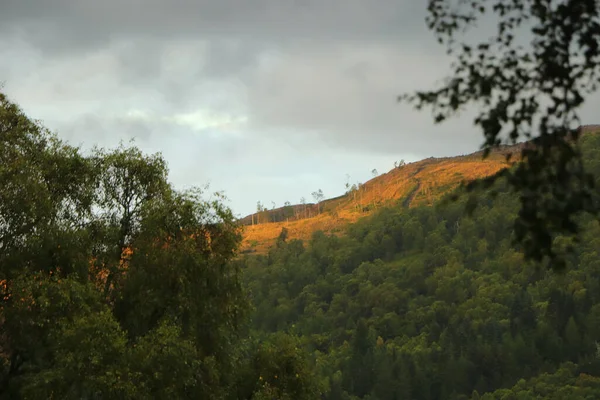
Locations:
(423, 182)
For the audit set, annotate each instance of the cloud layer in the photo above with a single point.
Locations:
(269, 100)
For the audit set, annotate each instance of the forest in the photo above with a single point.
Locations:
(432, 303)
(114, 285)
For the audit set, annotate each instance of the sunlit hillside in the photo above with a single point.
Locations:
(421, 182)
(428, 303)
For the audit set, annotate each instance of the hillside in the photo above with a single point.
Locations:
(413, 184)
(418, 183)
(427, 303)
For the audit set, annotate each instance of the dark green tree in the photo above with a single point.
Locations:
(278, 368)
(113, 284)
(361, 365)
(531, 91)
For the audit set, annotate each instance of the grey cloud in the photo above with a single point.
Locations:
(90, 129)
(247, 168)
(205, 146)
(348, 96)
(223, 39)
(315, 79)
(229, 58)
(139, 61)
(68, 24)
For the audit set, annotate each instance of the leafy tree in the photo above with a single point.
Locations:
(375, 175)
(283, 235)
(288, 210)
(112, 283)
(361, 366)
(347, 184)
(278, 368)
(525, 91)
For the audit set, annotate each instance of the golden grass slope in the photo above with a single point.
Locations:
(422, 182)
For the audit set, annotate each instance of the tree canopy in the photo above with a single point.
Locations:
(522, 91)
(112, 283)
(428, 303)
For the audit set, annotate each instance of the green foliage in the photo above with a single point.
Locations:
(165, 365)
(86, 361)
(113, 285)
(429, 303)
(524, 91)
(565, 383)
(280, 368)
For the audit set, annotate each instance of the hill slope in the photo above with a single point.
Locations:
(428, 303)
(417, 183)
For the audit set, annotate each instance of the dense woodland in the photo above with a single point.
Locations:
(114, 285)
(430, 303)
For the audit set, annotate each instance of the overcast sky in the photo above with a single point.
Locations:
(268, 100)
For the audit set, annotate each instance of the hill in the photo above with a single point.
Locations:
(427, 303)
(419, 183)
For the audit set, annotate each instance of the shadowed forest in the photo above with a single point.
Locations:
(428, 303)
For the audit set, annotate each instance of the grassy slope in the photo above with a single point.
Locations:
(422, 182)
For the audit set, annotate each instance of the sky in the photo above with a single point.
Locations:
(266, 100)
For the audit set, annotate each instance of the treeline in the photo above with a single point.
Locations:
(428, 303)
